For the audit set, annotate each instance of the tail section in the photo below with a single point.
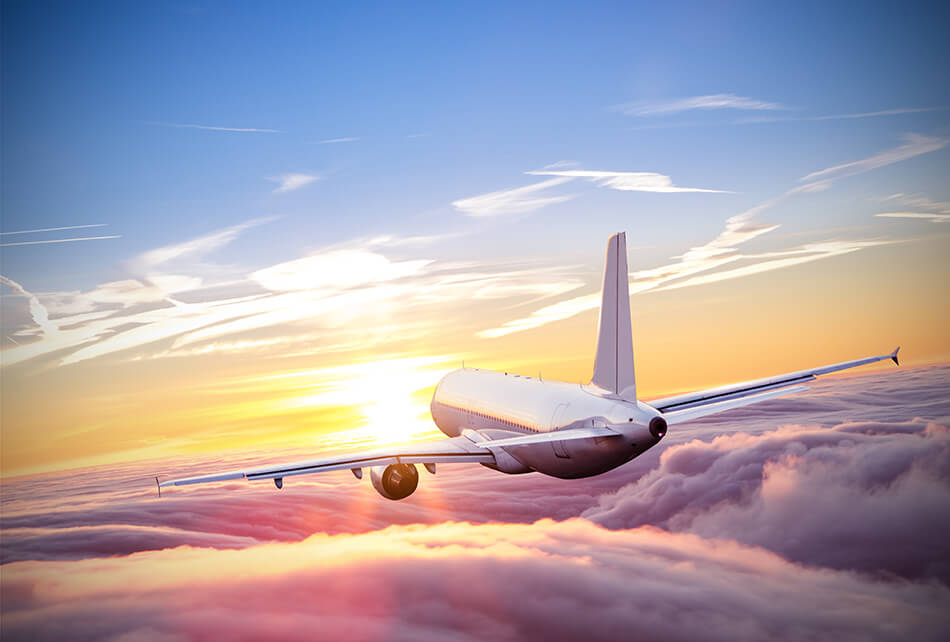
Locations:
(613, 365)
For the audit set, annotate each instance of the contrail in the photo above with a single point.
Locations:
(56, 229)
(84, 238)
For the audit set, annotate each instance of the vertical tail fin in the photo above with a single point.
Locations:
(613, 365)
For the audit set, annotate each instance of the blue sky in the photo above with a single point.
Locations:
(494, 90)
(217, 145)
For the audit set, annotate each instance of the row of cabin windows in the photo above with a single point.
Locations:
(507, 422)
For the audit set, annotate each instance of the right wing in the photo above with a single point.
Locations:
(472, 447)
(694, 405)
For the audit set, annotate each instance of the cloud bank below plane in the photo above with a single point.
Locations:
(860, 487)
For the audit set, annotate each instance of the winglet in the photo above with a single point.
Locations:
(158, 485)
(894, 355)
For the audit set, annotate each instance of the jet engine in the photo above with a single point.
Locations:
(396, 481)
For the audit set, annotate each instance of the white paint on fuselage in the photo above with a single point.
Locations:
(499, 405)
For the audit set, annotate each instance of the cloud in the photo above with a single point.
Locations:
(914, 145)
(519, 200)
(55, 229)
(292, 182)
(197, 246)
(935, 212)
(851, 497)
(852, 116)
(709, 101)
(344, 139)
(38, 312)
(71, 240)
(337, 269)
(725, 247)
(932, 217)
(627, 181)
(800, 532)
(244, 130)
(566, 580)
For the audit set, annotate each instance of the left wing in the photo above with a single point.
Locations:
(694, 405)
(470, 448)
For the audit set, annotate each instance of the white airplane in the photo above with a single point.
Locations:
(517, 424)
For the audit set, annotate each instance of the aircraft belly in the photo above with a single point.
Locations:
(586, 457)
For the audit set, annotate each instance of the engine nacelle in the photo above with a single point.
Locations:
(396, 481)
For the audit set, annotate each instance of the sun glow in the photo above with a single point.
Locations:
(389, 394)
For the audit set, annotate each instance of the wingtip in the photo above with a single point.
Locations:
(894, 355)
(158, 485)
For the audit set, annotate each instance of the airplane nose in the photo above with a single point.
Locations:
(658, 427)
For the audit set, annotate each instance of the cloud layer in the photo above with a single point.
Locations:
(833, 524)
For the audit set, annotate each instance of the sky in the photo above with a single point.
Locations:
(231, 226)
(238, 233)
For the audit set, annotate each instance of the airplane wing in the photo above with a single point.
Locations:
(470, 448)
(683, 408)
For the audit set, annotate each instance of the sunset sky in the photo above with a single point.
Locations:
(235, 225)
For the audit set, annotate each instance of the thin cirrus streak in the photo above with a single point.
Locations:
(627, 181)
(55, 229)
(933, 217)
(216, 128)
(518, 200)
(839, 516)
(709, 101)
(71, 240)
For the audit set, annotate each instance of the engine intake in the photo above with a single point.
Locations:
(396, 481)
(658, 427)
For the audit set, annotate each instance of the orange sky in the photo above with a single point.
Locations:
(140, 404)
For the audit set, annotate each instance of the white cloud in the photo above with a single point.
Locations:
(71, 240)
(710, 101)
(343, 139)
(291, 182)
(197, 246)
(214, 128)
(336, 270)
(724, 248)
(627, 181)
(932, 217)
(933, 211)
(55, 229)
(512, 201)
(914, 145)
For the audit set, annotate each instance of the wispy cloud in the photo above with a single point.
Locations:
(709, 101)
(851, 116)
(37, 310)
(627, 181)
(197, 246)
(927, 209)
(71, 240)
(55, 229)
(512, 201)
(933, 218)
(724, 248)
(291, 182)
(344, 139)
(215, 128)
(914, 145)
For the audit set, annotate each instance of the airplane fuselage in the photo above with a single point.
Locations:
(494, 405)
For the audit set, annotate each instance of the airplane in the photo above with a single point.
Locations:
(518, 424)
